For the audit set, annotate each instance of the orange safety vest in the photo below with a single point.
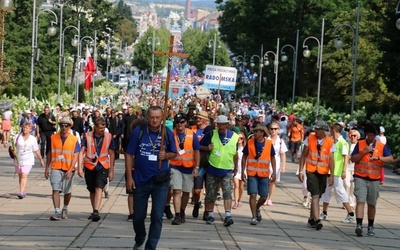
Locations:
(318, 162)
(259, 167)
(62, 154)
(187, 159)
(92, 154)
(366, 168)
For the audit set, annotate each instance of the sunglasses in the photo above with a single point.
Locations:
(273, 128)
(64, 125)
(181, 122)
(353, 136)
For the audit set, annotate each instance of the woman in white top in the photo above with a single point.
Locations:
(280, 157)
(26, 146)
(237, 179)
(6, 126)
(349, 180)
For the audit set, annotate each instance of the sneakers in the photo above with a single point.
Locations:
(168, 213)
(64, 213)
(130, 218)
(228, 221)
(323, 216)
(106, 194)
(359, 230)
(210, 220)
(371, 231)
(349, 219)
(311, 223)
(56, 216)
(258, 215)
(195, 212)
(183, 217)
(138, 246)
(95, 217)
(205, 215)
(253, 221)
(176, 220)
(21, 195)
(318, 225)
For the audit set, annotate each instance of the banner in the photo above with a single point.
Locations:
(220, 77)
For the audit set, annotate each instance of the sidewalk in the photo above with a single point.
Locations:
(26, 224)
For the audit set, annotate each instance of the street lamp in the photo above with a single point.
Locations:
(214, 46)
(152, 40)
(339, 44)
(5, 6)
(51, 31)
(74, 43)
(92, 42)
(398, 12)
(307, 53)
(284, 58)
(241, 59)
(260, 60)
(276, 66)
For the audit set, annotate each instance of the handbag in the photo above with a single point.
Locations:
(161, 177)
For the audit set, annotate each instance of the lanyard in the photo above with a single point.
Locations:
(153, 145)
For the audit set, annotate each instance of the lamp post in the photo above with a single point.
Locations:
(284, 58)
(214, 46)
(242, 59)
(307, 53)
(152, 40)
(92, 42)
(5, 6)
(339, 44)
(52, 31)
(260, 60)
(398, 12)
(276, 67)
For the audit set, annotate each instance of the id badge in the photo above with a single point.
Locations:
(218, 153)
(181, 152)
(60, 157)
(152, 157)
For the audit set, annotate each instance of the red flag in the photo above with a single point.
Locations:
(90, 68)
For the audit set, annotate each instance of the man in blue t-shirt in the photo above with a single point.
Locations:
(143, 154)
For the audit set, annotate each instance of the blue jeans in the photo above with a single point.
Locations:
(141, 196)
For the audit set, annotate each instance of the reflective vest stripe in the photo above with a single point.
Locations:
(186, 160)
(259, 167)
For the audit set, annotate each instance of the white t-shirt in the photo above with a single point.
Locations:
(7, 115)
(26, 149)
(279, 147)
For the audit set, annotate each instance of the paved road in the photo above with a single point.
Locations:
(25, 223)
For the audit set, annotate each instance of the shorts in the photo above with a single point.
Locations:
(294, 145)
(6, 125)
(212, 186)
(59, 182)
(96, 179)
(23, 169)
(316, 183)
(199, 182)
(340, 193)
(181, 181)
(366, 191)
(258, 185)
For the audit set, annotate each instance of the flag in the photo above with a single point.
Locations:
(90, 68)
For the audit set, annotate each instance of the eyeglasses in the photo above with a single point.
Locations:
(181, 122)
(273, 128)
(241, 138)
(353, 136)
(64, 125)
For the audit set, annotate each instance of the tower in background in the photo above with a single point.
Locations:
(187, 9)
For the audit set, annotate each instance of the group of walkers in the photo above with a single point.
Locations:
(205, 147)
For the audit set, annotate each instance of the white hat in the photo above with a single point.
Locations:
(222, 119)
(382, 129)
(28, 111)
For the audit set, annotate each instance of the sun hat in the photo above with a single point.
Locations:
(222, 119)
(65, 120)
(203, 114)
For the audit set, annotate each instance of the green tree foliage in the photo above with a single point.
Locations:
(246, 24)
(199, 46)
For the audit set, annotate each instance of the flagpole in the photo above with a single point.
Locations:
(95, 64)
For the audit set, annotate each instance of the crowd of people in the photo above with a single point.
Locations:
(204, 145)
